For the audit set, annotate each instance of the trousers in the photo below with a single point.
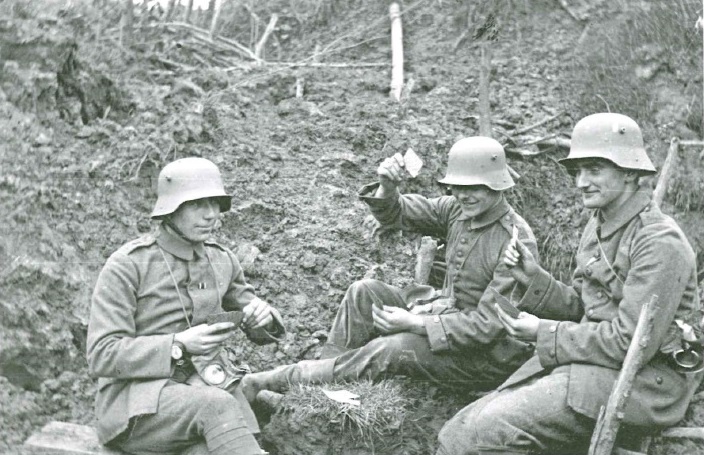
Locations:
(196, 420)
(360, 351)
(530, 418)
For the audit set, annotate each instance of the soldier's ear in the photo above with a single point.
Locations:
(631, 176)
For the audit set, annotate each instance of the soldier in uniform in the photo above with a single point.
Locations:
(629, 252)
(453, 337)
(166, 382)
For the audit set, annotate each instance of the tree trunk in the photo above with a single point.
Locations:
(127, 19)
(189, 9)
(171, 9)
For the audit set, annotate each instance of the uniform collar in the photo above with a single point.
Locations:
(488, 217)
(631, 207)
(178, 246)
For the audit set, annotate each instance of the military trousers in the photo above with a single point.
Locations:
(529, 418)
(359, 350)
(191, 420)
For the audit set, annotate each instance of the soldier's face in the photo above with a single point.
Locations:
(603, 185)
(475, 199)
(197, 219)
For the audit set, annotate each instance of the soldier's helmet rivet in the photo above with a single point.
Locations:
(168, 178)
(493, 157)
(622, 130)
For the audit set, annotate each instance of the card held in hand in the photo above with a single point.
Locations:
(227, 316)
(412, 163)
(505, 304)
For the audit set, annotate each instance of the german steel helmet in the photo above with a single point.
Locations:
(613, 137)
(189, 179)
(478, 160)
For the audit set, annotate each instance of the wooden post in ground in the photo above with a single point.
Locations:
(484, 82)
(609, 421)
(217, 5)
(396, 52)
(670, 161)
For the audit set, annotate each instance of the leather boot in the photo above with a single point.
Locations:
(281, 378)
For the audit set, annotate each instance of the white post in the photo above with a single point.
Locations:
(396, 52)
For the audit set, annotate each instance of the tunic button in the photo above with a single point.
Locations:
(536, 292)
(436, 319)
(597, 255)
(443, 339)
(588, 272)
(552, 353)
(463, 240)
(590, 312)
(600, 294)
(658, 380)
(458, 264)
(459, 253)
(553, 328)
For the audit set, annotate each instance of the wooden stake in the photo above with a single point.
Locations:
(300, 83)
(424, 259)
(217, 4)
(484, 79)
(259, 48)
(396, 52)
(610, 417)
(661, 187)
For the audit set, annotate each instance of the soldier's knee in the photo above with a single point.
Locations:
(213, 402)
(362, 286)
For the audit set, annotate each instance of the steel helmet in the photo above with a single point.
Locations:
(613, 137)
(189, 179)
(478, 160)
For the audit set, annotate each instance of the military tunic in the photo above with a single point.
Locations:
(143, 296)
(587, 327)
(464, 343)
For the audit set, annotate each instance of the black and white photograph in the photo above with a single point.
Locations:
(361, 227)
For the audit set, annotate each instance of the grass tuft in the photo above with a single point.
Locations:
(382, 410)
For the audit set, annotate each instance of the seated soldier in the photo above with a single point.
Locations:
(456, 339)
(166, 381)
(629, 252)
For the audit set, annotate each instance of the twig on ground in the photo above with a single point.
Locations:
(570, 11)
(540, 123)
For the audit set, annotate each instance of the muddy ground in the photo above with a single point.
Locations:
(85, 126)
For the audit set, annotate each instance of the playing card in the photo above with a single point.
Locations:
(412, 162)
(514, 236)
(228, 316)
(505, 304)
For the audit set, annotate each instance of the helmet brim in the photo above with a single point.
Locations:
(224, 202)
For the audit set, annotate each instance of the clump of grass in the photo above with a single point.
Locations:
(383, 407)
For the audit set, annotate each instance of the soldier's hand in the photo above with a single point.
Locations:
(394, 320)
(257, 314)
(424, 308)
(390, 173)
(203, 338)
(521, 263)
(524, 327)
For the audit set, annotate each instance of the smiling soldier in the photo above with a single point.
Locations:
(629, 251)
(455, 337)
(166, 381)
